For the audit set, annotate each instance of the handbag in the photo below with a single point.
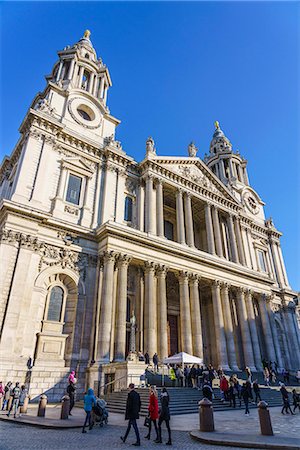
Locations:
(147, 422)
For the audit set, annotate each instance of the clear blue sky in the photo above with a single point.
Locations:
(176, 68)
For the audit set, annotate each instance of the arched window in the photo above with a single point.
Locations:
(55, 304)
(128, 209)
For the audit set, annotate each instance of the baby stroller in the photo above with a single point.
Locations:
(100, 414)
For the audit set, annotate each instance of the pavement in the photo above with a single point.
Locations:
(233, 429)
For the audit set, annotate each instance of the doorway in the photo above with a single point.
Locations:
(172, 334)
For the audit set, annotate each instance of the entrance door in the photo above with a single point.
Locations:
(172, 335)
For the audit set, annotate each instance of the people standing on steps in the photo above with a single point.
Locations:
(155, 362)
(248, 374)
(164, 416)
(256, 390)
(267, 376)
(133, 407)
(89, 402)
(147, 358)
(285, 398)
(172, 376)
(153, 411)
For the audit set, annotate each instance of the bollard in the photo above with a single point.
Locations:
(264, 419)
(24, 407)
(9, 403)
(65, 407)
(42, 406)
(206, 415)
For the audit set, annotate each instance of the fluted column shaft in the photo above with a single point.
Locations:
(150, 224)
(160, 208)
(150, 317)
(228, 326)
(253, 329)
(232, 243)
(209, 229)
(245, 331)
(241, 251)
(180, 217)
(217, 232)
(106, 307)
(185, 314)
(121, 308)
(196, 317)
(189, 220)
(221, 348)
(162, 312)
(141, 207)
(275, 334)
(266, 328)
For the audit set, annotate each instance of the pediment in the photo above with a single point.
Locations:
(79, 165)
(196, 171)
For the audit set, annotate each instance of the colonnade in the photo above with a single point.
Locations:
(257, 327)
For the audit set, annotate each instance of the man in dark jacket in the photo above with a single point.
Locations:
(164, 415)
(133, 407)
(285, 398)
(71, 390)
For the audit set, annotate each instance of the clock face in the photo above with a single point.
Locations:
(84, 112)
(251, 202)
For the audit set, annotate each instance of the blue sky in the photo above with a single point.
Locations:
(176, 68)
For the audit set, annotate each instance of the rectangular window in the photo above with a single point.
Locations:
(169, 230)
(128, 209)
(261, 258)
(73, 191)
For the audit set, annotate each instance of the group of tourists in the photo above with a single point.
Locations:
(12, 398)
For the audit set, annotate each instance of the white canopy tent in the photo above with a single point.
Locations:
(183, 358)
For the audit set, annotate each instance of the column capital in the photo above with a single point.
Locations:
(149, 266)
(188, 194)
(216, 283)
(194, 277)
(241, 290)
(109, 256)
(249, 292)
(225, 285)
(123, 259)
(159, 181)
(161, 270)
(179, 192)
(208, 204)
(183, 276)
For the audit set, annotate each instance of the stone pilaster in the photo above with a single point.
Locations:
(196, 316)
(161, 272)
(180, 217)
(232, 243)
(245, 331)
(160, 208)
(209, 229)
(150, 315)
(141, 207)
(241, 251)
(185, 313)
(221, 348)
(189, 220)
(228, 326)
(217, 232)
(149, 205)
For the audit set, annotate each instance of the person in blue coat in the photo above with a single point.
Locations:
(89, 402)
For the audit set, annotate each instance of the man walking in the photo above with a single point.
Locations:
(16, 398)
(133, 407)
(285, 398)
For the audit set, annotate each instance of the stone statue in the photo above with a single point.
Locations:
(192, 149)
(150, 149)
(132, 333)
(87, 34)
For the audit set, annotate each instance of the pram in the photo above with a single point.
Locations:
(100, 414)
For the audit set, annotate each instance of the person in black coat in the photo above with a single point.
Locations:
(285, 398)
(164, 416)
(133, 407)
(71, 390)
(147, 358)
(246, 394)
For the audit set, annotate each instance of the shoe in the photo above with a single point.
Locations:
(122, 439)
(83, 431)
(137, 444)
(148, 436)
(158, 441)
(169, 443)
(7, 415)
(70, 414)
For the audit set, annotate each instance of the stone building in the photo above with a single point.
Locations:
(89, 236)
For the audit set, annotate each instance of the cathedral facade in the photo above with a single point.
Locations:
(90, 237)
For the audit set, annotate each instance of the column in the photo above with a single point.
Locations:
(185, 313)
(282, 264)
(222, 167)
(266, 328)
(105, 94)
(162, 311)
(97, 308)
(196, 316)
(278, 270)
(232, 242)
(292, 337)
(141, 207)
(113, 314)
(180, 217)
(274, 333)
(253, 329)
(160, 208)
(217, 232)
(106, 307)
(96, 86)
(71, 68)
(228, 326)
(150, 224)
(59, 70)
(221, 348)
(85, 218)
(97, 198)
(150, 343)
(81, 71)
(245, 331)
(91, 82)
(209, 229)
(246, 247)
(121, 308)
(189, 220)
(241, 251)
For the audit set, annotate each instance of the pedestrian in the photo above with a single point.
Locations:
(7, 392)
(172, 376)
(155, 362)
(256, 390)
(147, 358)
(164, 416)
(298, 376)
(193, 375)
(285, 398)
(187, 377)
(232, 392)
(199, 377)
(207, 390)
(89, 402)
(71, 390)
(23, 395)
(224, 386)
(153, 411)
(2, 392)
(296, 400)
(246, 395)
(248, 374)
(267, 376)
(16, 398)
(133, 407)
(180, 376)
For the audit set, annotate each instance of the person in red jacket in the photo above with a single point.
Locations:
(224, 386)
(153, 411)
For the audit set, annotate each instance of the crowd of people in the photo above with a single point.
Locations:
(12, 398)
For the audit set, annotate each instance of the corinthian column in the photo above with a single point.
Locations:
(228, 326)
(106, 307)
(217, 232)
(232, 240)
(150, 343)
(253, 329)
(160, 208)
(209, 229)
(185, 313)
(189, 220)
(244, 326)
(221, 349)
(180, 217)
(196, 316)
(262, 304)
(274, 333)
(162, 311)
(150, 223)
(121, 308)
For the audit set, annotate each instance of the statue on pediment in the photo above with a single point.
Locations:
(192, 149)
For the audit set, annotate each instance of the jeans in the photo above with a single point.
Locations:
(257, 396)
(246, 401)
(15, 405)
(160, 421)
(88, 418)
(135, 427)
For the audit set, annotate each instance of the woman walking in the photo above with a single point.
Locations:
(153, 411)
(164, 416)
